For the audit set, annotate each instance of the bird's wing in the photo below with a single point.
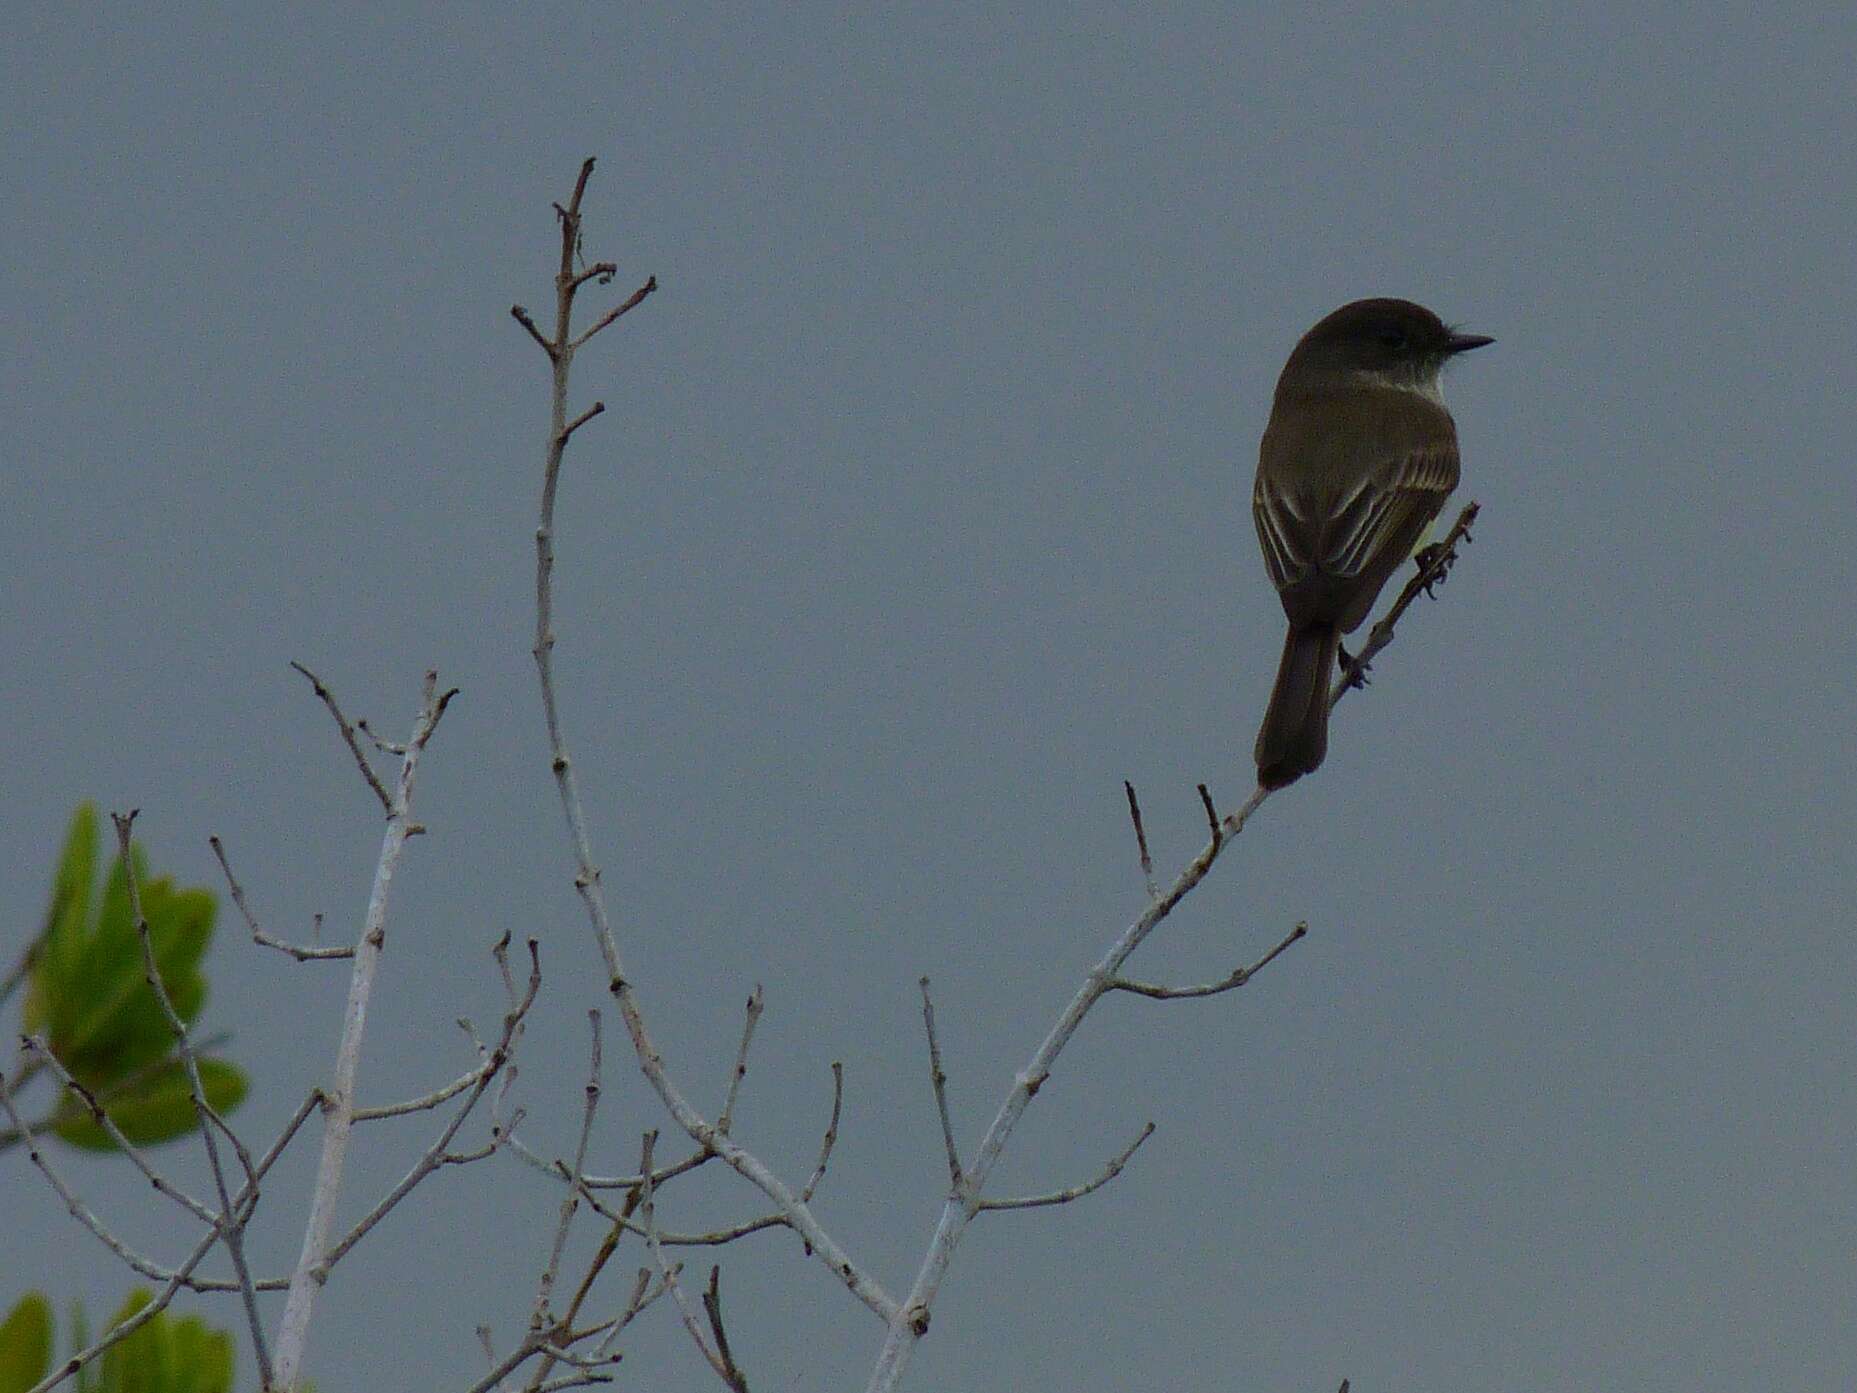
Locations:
(1281, 532)
(1376, 526)
(1329, 553)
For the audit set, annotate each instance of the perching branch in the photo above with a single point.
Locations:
(912, 1320)
(1434, 566)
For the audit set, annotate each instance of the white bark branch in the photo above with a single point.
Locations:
(339, 1098)
(561, 348)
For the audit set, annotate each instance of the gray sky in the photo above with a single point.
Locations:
(917, 522)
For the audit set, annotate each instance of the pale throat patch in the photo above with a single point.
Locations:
(1431, 387)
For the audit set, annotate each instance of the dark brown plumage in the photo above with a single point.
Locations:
(1358, 458)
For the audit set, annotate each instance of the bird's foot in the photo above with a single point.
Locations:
(1352, 675)
(1429, 556)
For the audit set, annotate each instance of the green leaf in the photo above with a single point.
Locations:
(25, 1344)
(68, 916)
(156, 1107)
(91, 997)
(166, 1355)
(127, 1028)
(104, 1021)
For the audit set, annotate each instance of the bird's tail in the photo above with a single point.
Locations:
(1294, 736)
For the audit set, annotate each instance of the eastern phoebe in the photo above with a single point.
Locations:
(1358, 458)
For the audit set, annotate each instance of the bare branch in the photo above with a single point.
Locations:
(1141, 839)
(229, 1222)
(424, 1103)
(380, 742)
(602, 271)
(22, 967)
(1074, 1192)
(648, 1213)
(570, 1202)
(564, 1331)
(911, 1321)
(1238, 977)
(35, 1047)
(348, 736)
(338, 1110)
(631, 303)
(523, 318)
(831, 1132)
(1212, 816)
(258, 935)
(712, 1307)
(725, 1119)
(939, 1082)
(586, 873)
(438, 1153)
(182, 1276)
(74, 1206)
(1435, 564)
(597, 408)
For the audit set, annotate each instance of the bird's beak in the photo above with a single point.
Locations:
(1463, 343)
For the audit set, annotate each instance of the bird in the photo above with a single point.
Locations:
(1356, 461)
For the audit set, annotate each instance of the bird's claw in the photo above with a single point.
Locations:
(1352, 675)
(1429, 556)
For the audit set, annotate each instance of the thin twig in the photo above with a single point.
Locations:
(602, 271)
(570, 1202)
(348, 736)
(1212, 816)
(75, 1206)
(1074, 1192)
(712, 1307)
(526, 321)
(438, 1153)
(939, 1082)
(380, 742)
(831, 1132)
(424, 1103)
(1141, 839)
(258, 935)
(1237, 978)
(596, 409)
(752, 1016)
(631, 303)
(647, 1209)
(608, 1246)
(229, 1222)
(22, 967)
(36, 1047)
(182, 1276)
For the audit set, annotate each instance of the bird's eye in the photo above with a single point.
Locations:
(1390, 337)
